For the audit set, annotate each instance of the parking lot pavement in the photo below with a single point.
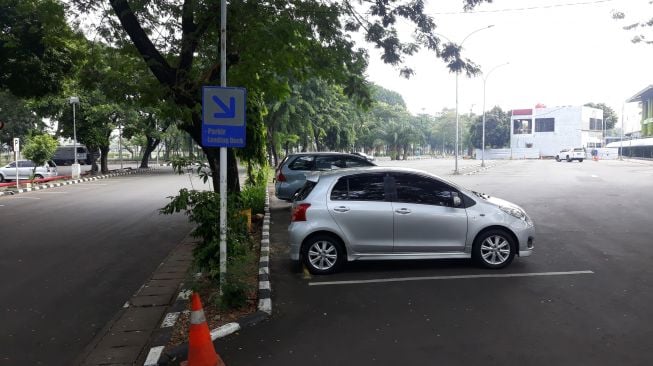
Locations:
(583, 298)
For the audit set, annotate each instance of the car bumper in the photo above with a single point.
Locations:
(282, 191)
(526, 238)
(297, 231)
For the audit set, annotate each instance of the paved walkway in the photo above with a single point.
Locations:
(125, 339)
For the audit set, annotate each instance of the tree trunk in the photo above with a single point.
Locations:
(213, 156)
(274, 157)
(104, 159)
(93, 153)
(152, 143)
(166, 153)
(405, 152)
(317, 140)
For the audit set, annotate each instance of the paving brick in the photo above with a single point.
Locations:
(124, 339)
(157, 290)
(139, 319)
(163, 283)
(155, 300)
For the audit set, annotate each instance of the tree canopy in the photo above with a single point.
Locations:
(37, 47)
(270, 46)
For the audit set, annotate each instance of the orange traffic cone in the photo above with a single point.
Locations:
(200, 346)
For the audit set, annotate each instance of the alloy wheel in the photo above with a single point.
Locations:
(322, 255)
(495, 249)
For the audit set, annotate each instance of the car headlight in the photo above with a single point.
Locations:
(516, 212)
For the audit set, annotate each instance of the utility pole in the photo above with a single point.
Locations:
(223, 151)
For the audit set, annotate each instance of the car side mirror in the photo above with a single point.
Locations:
(457, 201)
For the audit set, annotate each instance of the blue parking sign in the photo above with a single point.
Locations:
(223, 116)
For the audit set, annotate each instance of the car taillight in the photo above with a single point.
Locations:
(281, 177)
(299, 212)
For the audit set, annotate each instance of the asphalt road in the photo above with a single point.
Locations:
(71, 256)
(583, 298)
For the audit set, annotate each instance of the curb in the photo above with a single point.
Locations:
(69, 182)
(158, 355)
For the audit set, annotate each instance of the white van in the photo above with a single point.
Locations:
(65, 156)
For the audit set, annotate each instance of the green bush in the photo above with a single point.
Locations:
(203, 209)
(253, 197)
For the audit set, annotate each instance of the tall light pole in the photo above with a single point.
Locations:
(120, 144)
(621, 140)
(75, 168)
(485, 77)
(457, 116)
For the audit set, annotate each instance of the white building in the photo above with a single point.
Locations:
(556, 128)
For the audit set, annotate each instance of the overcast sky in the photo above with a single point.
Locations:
(560, 52)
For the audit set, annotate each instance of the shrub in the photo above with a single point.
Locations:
(203, 209)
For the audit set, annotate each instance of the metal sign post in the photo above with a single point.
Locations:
(223, 126)
(16, 151)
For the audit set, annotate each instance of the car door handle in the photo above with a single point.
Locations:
(403, 211)
(341, 209)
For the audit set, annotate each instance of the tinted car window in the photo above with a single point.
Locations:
(25, 164)
(329, 162)
(305, 191)
(302, 163)
(353, 162)
(364, 187)
(422, 190)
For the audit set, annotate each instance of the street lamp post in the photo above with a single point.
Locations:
(120, 144)
(485, 77)
(621, 140)
(457, 116)
(75, 173)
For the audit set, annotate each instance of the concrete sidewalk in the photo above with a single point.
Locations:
(126, 338)
(135, 334)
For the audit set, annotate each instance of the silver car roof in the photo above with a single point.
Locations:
(337, 173)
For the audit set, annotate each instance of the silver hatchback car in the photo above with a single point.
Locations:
(26, 169)
(395, 213)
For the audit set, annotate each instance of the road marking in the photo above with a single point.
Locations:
(153, 356)
(55, 192)
(28, 198)
(460, 277)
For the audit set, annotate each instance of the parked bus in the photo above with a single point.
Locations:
(65, 156)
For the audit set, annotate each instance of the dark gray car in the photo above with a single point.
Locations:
(291, 173)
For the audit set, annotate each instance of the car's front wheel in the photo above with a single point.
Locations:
(557, 158)
(2, 178)
(323, 254)
(568, 159)
(494, 249)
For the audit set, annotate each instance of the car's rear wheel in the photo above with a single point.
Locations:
(580, 160)
(38, 176)
(323, 254)
(494, 249)
(2, 178)
(568, 159)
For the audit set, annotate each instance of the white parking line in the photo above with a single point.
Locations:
(459, 277)
(26, 198)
